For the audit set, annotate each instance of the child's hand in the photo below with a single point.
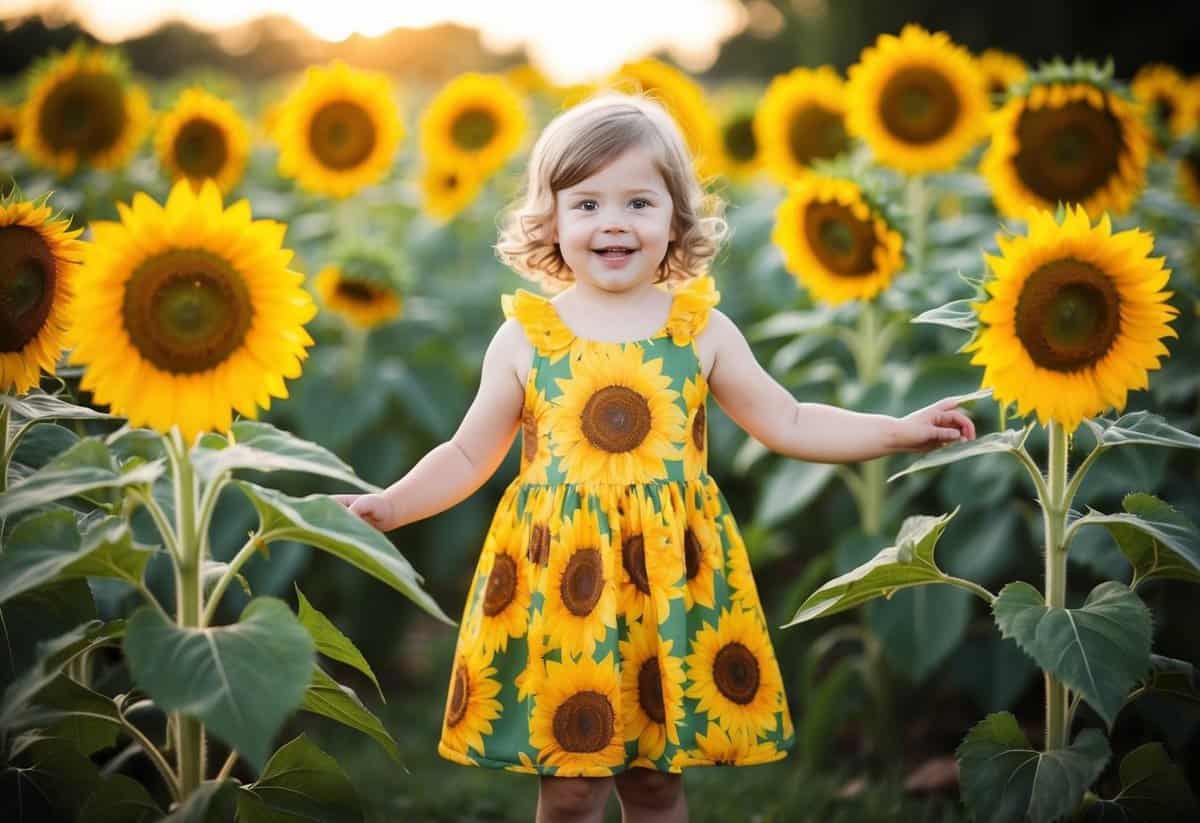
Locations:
(374, 509)
(933, 426)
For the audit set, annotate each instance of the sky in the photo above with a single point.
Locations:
(569, 40)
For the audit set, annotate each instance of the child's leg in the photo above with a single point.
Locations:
(649, 795)
(572, 799)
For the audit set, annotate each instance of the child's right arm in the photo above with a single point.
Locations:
(452, 471)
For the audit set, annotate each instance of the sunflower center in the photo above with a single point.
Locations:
(691, 553)
(529, 435)
(27, 277)
(698, 428)
(357, 291)
(83, 113)
(739, 140)
(186, 310)
(473, 129)
(616, 419)
(735, 671)
(633, 554)
(501, 585)
(997, 87)
(459, 696)
(842, 242)
(200, 149)
(1068, 153)
(582, 582)
(1068, 315)
(7, 133)
(450, 182)
(650, 696)
(538, 550)
(1164, 109)
(341, 135)
(815, 132)
(584, 722)
(918, 105)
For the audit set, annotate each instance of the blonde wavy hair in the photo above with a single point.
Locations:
(580, 142)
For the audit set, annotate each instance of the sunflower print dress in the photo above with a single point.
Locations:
(612, 620)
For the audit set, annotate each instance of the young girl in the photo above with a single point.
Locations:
(613, 633)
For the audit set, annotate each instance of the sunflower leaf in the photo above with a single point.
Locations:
(1006, 441)
(1174, 678)
(300, 782)
(330, 640)
(1139, 428)
(957, 314)
(1152, 789)
(328, 698)
(1158, 541)
(41, 406)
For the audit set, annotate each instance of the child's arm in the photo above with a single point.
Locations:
(815, 432)
(452, 471)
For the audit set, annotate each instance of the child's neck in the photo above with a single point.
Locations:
(595, 314)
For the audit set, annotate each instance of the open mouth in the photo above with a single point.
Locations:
(615, 252)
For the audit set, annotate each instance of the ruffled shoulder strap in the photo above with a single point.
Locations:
(690, 308)
(539, 319)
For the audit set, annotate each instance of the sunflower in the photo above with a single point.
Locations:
(1189, 174)
(575, 724)
(701, 556)
(474, 125)
(918, 100)
(39, 264)
(695, 446)
(447, 189)
(82, 109)
(1074, 319)
(651, 690)
(742, 589)
(649, 571)
(506, 597)
(617, 416)
(471, 704)
(535, 438)
(9, 118)
(716, 748)
(338, 130)
(529, 681)
(188, 311)
(1066, 143)
(1167, 98)
(580, 592)
(684, 99)
(1000, 71)
(802, 118)
(203, 137)
(364, 302)
(734, 676)
(834, 241)
(741, 158)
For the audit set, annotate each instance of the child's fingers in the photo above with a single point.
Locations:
(346, 500)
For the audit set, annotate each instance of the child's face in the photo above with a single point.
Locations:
(624, 205)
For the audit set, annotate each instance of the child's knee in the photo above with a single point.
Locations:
(574, 795)
(649, 788)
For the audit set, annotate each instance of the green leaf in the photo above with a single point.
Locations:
(996, 442)
(211, 802)
(46, 546)
(1159, 541)
(301, 782)
(242, 681)
(73, 712)
(920, 627)
(789, 487)
(326, 697)
(909, 562)
(264, 448)
(86, 467)
(1153, 790)
(52, 777)
(319, 520)
(120, 799)
(330, 640)
(956, 314)
(1175, 678)
(38, 405)
(1099, 650)
(1005, 780)
(1139, 428)
(792, 323)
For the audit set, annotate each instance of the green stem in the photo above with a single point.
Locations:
(1077, 477)
(235, 565)
(146, 498)
(917, 195)
(152, 751)
(874, 475)
(5, 453)
(972, 587)
(1055, 516)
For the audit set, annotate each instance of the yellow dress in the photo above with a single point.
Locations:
(613, 620)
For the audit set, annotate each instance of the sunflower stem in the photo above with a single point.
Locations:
(1054, 513)
(5, 446)
(257, 539)
(917, 195)
(868, 348)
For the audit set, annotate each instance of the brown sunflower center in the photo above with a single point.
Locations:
(815, 132)
(538, 550)
(582, 582)
(698, 428)
(501, 585)
(616, 419)
(739, 140)
(1068, 315)
(650, 696)
(919, 105)
(842, 242)
(735, 671)
(997, 87)
(473, 129)
(7, 133)
(633, 554)
(1164, 109)
(1191, 165)
(460, 695)
(584, 722)
(186, 310)
(83, 113)
(529, 435)
(200, 148)
(341, 135)
(1067, 153)
(450, 181)
(28, 272)
(691, 553)
(357, 291)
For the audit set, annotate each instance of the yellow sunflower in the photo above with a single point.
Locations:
(1066, 143)
(447, 189)
(648, 567)
(364, 302)
(715, 747)
(471, 704)
(575, 723)
(684, 99)
(695, 447)
(1189, 175)
(1167, 98)
(651, 690)
(701, 555)
(743, 591)
(9, 118)
(39, 264)
(203, 137)
(734, 675)
(338, 130)
(188, 311)
(1000, 71)
(529, 681)
(834, 242)
(1074, 319)
(741, 158)
(918, 100)
(802, 118)
(475, 124)
(82, 109)
(506, 597)
(535, 437)
(580, 589)
(617, 416)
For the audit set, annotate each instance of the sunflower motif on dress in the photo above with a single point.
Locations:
(647, 570)
(529, 681)
(579, 585)
(651, 690)
(471, 705)
(742, 590)
(695, 455)
(701, 552)
(575, 721)
(719, 748)
(505, 605)
(733, 675)
(535, 437)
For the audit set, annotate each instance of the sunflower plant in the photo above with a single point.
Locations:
(185, 313)
(1045, 329)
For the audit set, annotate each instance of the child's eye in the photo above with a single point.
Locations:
(641, 200)
(583, 203)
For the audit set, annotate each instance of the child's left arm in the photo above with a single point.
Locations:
(816, 432)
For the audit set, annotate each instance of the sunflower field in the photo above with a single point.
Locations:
(223, 302)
